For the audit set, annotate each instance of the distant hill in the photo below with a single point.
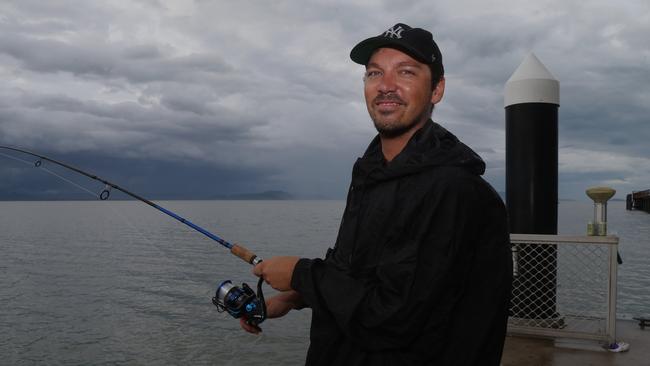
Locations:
(266, 195)
(118, 196)
(503, 197)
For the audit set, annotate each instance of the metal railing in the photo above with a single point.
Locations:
(564, 286)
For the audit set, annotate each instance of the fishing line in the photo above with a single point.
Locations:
(40, 166)
(17, 159)
(152, 244)
(193, 290)
(71, 182)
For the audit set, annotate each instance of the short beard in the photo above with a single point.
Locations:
(395, 131)
(392, 131)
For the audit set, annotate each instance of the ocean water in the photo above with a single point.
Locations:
(116, 282)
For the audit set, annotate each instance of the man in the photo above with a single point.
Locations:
(421, 270)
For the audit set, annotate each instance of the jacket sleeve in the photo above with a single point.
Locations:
(415, 283)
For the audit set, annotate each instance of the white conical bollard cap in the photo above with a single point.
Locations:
(532, 83)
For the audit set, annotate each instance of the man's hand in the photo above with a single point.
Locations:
(277, 271)
(276, 306)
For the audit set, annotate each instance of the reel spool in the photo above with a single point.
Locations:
(241, 301)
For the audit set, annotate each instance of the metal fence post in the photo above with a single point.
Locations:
(613, 278)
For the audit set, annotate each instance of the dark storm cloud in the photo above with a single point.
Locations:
(265, 94)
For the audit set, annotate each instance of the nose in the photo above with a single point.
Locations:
(387, 83)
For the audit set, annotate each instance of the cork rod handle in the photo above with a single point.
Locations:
(245, 254)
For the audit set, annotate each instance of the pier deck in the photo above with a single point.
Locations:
(546, 352)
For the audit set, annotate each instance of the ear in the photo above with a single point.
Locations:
(439, 91)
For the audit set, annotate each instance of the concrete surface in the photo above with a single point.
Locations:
(523, 351)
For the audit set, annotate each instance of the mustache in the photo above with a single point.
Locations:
(388, 97)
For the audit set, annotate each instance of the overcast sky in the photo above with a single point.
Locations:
(178, 98)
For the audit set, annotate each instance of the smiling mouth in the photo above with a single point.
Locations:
(388, 102)
(387, 106)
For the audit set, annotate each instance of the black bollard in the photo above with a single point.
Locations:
(532, 98)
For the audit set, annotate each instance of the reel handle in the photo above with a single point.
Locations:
(245, 254)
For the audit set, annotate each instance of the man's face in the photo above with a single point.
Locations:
(398, 92)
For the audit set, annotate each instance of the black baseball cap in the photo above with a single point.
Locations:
(416, 42)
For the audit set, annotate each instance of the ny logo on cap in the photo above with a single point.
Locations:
(394, 32)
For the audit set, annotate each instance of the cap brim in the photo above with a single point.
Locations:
(363, 50)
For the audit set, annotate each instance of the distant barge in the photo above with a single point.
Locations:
(638, 201)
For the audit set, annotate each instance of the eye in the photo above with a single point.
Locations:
(407, 72)
(371, 74)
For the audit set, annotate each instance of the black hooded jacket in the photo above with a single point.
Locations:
(421, 270)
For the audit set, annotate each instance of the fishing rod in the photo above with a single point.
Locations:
(238, 302)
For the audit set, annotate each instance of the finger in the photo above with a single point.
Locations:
(245, 326)
(248, 327)
(259, 269)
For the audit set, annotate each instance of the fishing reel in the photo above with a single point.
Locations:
(241, 301)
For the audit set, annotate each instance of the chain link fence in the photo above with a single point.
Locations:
(564, 286)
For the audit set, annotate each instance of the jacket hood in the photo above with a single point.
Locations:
(431, 146)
